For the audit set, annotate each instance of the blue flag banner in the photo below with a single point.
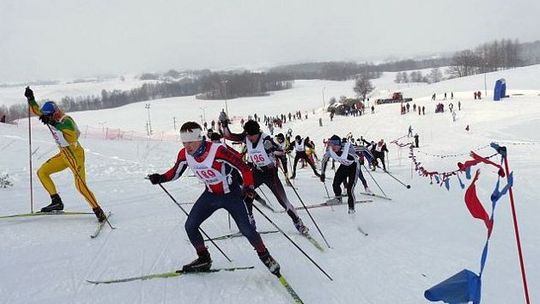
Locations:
(460, 182)
(463, 287)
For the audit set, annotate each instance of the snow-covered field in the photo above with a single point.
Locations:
(421, 237)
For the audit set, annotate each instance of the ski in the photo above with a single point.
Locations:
(328, 204)
(313, 241)
(376, 195)
(39, 213)
(165, 275)
(100, 226)
(290, 290)
(236, 234)
(263, 203)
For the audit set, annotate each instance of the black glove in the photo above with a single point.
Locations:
(46, 119)
(248, 192)
(28, 93)
(155, 178)
(323, 177)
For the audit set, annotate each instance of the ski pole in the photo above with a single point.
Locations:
(296, 245)
(30, 160)
(200, 229)
(326, 188)
(376, 183)
(387, 161)
(309, 213)
(406, 186)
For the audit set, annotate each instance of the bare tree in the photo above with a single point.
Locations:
(465, 63)
(363, 87)
(435, 75)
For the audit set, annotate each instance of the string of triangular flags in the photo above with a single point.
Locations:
(465, 286)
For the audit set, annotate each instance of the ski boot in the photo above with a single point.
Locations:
(351, 211)
(55, 205)
(299, 225)
(335, 201)
(201, 264)
(99, 214)
(293, 175)
(368, 191)
(270, 263)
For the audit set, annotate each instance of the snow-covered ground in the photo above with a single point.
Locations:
(421, 237)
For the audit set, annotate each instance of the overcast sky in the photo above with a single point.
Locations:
(70, 38)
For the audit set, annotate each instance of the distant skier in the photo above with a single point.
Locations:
(284, 146)
(416, 140)
(347, 170)
(71, 155)
(409, 134)
(378, 151)
(299, 145)
(262, 152)
(212, 164)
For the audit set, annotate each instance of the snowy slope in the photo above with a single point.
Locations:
(421, 237)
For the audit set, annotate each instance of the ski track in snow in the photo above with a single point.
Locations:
(421, 237)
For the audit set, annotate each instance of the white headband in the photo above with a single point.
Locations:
(191, 135)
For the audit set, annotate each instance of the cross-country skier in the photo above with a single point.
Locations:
(284, 146)
(299, 145)
(262, 152)
(218, 139)
(379, 152)
(71, 155)
(363, 152)
(348, 168)
(212, 164)
(377, 149)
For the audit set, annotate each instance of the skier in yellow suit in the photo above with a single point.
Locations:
(71, 155)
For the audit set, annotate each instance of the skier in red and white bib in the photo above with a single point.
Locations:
(262, 151)
(213, 163)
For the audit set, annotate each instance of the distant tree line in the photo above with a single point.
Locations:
(488, 57)
(205, 85)
(329, 70)
(234, 85)
(435, 75)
